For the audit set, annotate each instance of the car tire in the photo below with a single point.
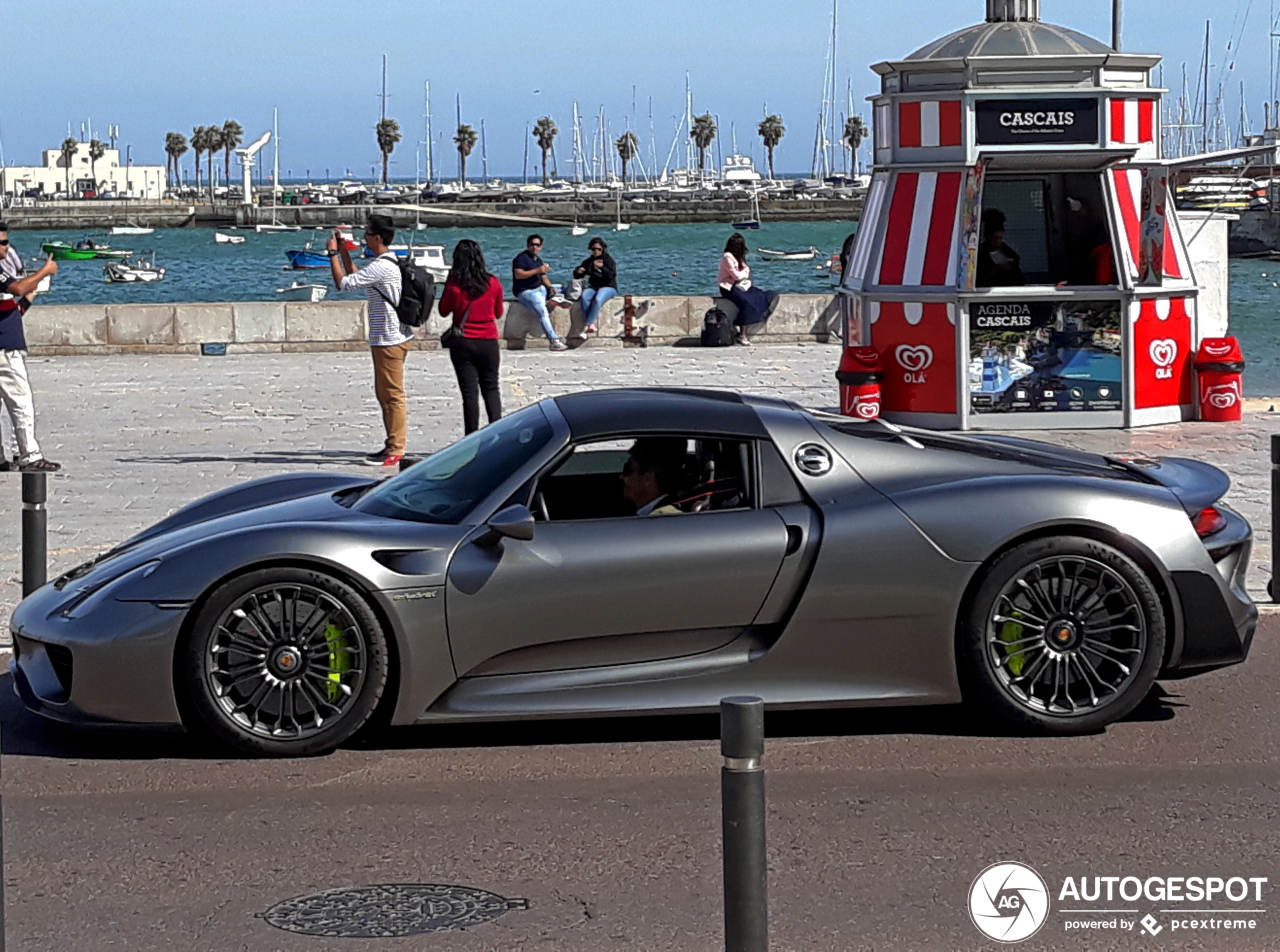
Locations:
(1063, 635)
(285, 662)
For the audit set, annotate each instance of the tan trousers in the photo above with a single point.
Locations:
(388, 384)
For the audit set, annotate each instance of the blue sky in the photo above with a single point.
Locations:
(152, 66)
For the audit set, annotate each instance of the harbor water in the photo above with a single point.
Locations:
(652, 259)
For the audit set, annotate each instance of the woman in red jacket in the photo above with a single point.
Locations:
(473, 298)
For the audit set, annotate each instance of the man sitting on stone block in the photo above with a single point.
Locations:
(533, 289)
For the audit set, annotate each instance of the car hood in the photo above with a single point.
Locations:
(275, 501)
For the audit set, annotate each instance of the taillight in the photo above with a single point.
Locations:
(1208, 522)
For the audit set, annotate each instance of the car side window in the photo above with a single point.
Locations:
(658, 475)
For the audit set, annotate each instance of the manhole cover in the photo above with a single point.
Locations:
(376, 912)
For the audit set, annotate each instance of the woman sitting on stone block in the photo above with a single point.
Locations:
(754, 305)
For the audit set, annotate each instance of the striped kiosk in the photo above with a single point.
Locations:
(1019, 262)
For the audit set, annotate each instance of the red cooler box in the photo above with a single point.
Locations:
(859, 377)
(1219, 372)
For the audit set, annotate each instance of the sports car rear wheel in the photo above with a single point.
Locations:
(286, 662)
(1065, 635)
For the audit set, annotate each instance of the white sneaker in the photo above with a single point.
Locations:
(558, 344)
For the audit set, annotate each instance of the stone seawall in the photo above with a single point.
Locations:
(296, 327)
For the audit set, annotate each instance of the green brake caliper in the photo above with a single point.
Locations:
(1011, 632)
(339, 660)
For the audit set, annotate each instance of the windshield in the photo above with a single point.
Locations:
(444, 488)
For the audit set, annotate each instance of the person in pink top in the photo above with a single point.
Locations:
(474, 299)
(754, 305)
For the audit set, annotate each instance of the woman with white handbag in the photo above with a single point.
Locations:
(754, 305)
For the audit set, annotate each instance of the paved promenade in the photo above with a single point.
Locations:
(141, 436)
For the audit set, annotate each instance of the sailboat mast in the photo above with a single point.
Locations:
(275, 159)
(688, 123)
(427, 112)
(1205, 115)
(831, 119)
(484, 152)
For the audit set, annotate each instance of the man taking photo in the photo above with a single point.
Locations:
(388, 338)
(17, 290)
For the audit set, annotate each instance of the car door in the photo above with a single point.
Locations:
(600, 591)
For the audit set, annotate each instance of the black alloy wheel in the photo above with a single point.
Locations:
(1065, 635)
(285, 663)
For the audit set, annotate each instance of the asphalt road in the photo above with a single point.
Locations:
(878, 823)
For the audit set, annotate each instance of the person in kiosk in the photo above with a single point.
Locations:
(1092, 257)
(999, 266)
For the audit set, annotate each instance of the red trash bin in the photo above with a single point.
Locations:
(1219, 368)
(859, 377)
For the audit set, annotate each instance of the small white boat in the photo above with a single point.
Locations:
(297, 291)
(131, 230)
(276, 226)
(789, 255)
(132, 271)
(222, 239)
(432, 258)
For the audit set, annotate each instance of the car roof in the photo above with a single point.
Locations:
(659, 410)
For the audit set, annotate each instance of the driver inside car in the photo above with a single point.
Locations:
(652, 474)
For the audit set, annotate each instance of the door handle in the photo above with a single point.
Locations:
(795, 537)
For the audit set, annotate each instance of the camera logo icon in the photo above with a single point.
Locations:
(1009, 902)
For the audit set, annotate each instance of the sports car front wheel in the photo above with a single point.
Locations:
(285, 662)
(1064, 635)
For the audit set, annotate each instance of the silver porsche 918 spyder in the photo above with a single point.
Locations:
(523, 572)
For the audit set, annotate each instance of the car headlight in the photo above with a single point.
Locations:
(90, 598)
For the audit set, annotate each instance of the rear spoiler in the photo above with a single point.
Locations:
(1196, 485)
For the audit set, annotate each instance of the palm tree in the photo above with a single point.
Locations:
(232, 136)
(465, 140)
(175, 144)
(703, 134)
(70, 146)
(545, 132)
(212, 143)
(771, 131)
(628, 148)
(388, 131)
(199, 136)
(96, 151)
(855, 131)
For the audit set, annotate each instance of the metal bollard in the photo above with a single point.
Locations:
(35, 532)
(746, 870)
(1272, 588)
(2, 928)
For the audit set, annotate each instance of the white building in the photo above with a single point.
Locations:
(113, 180)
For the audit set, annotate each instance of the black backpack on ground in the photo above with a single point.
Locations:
(717, 329)
(417, 293)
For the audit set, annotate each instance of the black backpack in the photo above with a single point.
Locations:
(717, 329)
(417, 293)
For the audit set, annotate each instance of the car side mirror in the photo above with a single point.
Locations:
(514, 522)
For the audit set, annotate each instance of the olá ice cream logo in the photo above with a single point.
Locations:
(1009, 902)
(915, 361)
(1224, 396)
(1163, 354)
(867, 409)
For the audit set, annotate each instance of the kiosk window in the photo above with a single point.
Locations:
(1056, 231)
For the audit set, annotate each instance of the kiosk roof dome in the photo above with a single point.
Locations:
(1013, 28)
